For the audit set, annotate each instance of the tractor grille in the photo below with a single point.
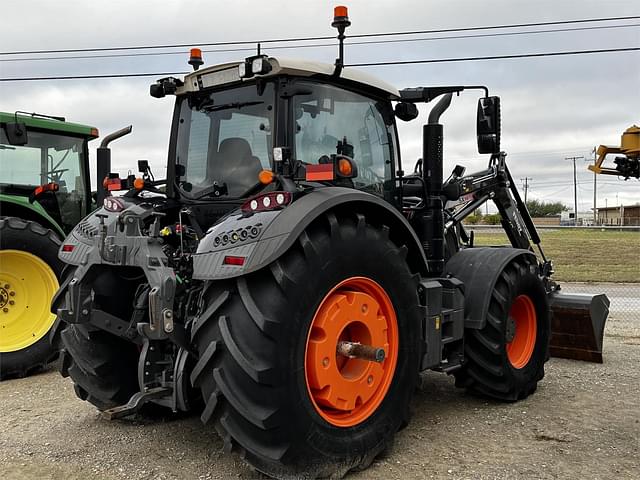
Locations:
(86, 230)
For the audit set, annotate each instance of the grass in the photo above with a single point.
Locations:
(585, 255)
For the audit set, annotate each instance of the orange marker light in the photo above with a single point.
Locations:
(344, 167)
(138, 184)
(340, 11)
(266, 177)
(195, 58)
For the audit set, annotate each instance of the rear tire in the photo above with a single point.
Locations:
(252, 337)
(505, 359)
(102, 366)
(24, 337)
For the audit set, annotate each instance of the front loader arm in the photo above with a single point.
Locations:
(496, 184)
(577, 321)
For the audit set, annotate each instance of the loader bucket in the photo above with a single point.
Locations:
(577, 325)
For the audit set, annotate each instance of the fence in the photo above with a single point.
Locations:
(624, 311)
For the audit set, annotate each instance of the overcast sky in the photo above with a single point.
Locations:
(553, 107)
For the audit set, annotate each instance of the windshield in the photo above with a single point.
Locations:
(225, 138)
(326, 115)
(48, 158)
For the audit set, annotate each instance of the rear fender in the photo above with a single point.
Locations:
(262, 238)
(479, 269)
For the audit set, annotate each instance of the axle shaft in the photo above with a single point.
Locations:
(363, 352)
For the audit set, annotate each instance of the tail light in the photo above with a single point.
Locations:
(113, 204)
(266, 202)
(233, 260)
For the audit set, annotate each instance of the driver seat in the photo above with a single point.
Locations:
(236, 166)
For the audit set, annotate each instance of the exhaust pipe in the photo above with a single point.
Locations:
(103, 161)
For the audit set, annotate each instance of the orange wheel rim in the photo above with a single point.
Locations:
(521, 346)
(346, 391)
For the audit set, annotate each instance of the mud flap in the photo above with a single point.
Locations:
(577, 325)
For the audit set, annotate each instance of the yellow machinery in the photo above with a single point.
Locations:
(626, 166)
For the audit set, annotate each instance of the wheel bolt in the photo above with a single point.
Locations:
(5, 309)
(11, 302)
(365, 308)
(12, 293)
(325, 362)
(370, 379)
(6, 286)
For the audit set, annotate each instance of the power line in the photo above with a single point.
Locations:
(319, 45)
(494, 57)
(301, 39)
(84, 77)
(400, 62)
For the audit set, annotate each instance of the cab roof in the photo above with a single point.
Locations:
(218, 75)
(50, 124)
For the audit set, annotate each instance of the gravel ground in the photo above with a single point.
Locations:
(583, 422)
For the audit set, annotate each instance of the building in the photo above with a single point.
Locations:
(585, 219)
(620, 215)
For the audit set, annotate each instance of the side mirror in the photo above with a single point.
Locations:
(406, 111)
(488, 126)
(17, 133)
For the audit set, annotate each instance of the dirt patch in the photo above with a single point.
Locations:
(583, 422)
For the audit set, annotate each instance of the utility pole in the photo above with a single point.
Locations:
(595, 217)
(575, 188)
(525, 184)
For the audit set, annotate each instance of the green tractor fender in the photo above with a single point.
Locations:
(261, 238)
(20, 207)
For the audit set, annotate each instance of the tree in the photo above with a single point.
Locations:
(545, 209)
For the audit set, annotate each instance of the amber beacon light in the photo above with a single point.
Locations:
(195, 58)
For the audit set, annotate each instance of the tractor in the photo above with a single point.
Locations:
(626, 166)
(290, 281)
(44, 192)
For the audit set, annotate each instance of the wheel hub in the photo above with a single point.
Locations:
(521, 331)
(27, 284)
(348, 382)
(4, 297)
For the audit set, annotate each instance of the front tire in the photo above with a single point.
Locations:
(258, 336)
(29, 276)
(505, 359)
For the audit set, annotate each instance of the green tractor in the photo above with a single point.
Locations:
(44, 193)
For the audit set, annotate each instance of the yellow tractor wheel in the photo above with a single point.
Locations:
(27, 284)
(29, 271)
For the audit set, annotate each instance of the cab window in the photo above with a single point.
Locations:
(328, 115)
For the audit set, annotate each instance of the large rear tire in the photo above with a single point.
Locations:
(29, 276)
(261, 360)
(505, 359)
(102, 366)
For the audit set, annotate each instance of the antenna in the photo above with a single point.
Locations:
(341, 22)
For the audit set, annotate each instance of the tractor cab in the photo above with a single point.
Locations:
(44, 169)
(292, 118)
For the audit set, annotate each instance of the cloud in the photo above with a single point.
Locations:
(552, 107)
